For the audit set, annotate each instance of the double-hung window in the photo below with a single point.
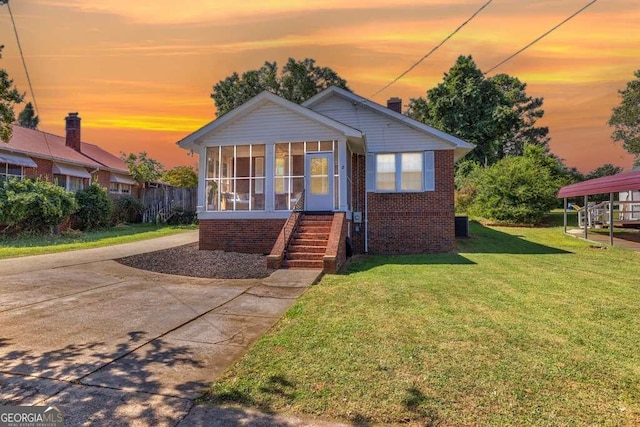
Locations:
(401, 172)
(8, 170)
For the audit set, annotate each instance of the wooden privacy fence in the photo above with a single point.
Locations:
(159, 202)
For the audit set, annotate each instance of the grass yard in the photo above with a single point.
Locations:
(524, 326)
(36, 245)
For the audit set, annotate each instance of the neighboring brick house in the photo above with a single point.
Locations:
(387, 176)
(67, 160)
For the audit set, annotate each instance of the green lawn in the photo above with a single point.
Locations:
(36, 245)
(524, 326)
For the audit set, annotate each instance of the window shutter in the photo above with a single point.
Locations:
(371, 172)
(429, 171)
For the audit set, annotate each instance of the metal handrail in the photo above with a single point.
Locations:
(292, 221)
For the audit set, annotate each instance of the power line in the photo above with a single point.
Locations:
(26, 71)
(24, 63)
(434, 49)
(540, 38)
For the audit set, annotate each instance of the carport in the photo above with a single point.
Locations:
(622, 182)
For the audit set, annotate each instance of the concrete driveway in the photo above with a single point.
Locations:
(109, 344)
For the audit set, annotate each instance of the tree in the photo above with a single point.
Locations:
(27, 117)
(605, 170)
(142, 168)
(517, 189)
(625, 118)
(181, 176)
(9, 96)
(299, 81)
(494, 113)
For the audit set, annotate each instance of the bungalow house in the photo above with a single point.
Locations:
(349, 174)
(67, 161)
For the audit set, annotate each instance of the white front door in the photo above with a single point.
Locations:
(319, 182)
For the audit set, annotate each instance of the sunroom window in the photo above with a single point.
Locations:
(289, 169)
(235, 178)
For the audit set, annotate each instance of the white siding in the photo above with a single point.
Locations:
(271, 123)
(383, 134)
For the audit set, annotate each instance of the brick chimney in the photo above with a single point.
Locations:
(73, 131)
(395, 104)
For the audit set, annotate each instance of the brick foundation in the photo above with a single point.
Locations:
(240, 235)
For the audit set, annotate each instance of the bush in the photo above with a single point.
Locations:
(34, 205)
(466, 177)
(516, 189)
(127, 209)
(94, 207)
(181, 217)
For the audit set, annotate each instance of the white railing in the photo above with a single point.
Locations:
(156, 213)
(598, 214)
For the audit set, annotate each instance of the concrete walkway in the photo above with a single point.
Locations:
(112, 345)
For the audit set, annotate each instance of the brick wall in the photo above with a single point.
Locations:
(336, 253)
(412, 222)
(358, 183)
(240, 235)
(103, 177)
(44, 169)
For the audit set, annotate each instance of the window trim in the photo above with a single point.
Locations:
(428, 172)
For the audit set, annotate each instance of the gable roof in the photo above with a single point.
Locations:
(191, 141)
(421, 127)
(45, 145)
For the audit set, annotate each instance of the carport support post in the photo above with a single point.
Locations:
(586, 216)
(611, 219)
(565, 214)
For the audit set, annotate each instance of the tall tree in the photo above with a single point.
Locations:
(181, 176)
(494, 113)
(142, 168)
(9, 96)
(605, 170)
(625, 118)
(27, 117)
(299, 81)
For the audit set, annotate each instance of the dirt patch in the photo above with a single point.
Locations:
(188, 260)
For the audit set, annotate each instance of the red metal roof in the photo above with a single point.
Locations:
(607, 184)
(48, 146)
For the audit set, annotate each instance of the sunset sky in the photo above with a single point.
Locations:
(140, 73)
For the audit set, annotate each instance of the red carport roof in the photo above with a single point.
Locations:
(607, 184)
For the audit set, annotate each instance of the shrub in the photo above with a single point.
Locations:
(467, 175)
(127, 209)
(181, 217)
(94, 207)
(34, 205)
(516, 189)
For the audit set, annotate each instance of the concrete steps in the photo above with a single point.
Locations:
(309, 244)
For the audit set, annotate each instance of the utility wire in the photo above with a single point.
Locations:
(24, 63)
(26, 71)
(434, 49)
(540, 38)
